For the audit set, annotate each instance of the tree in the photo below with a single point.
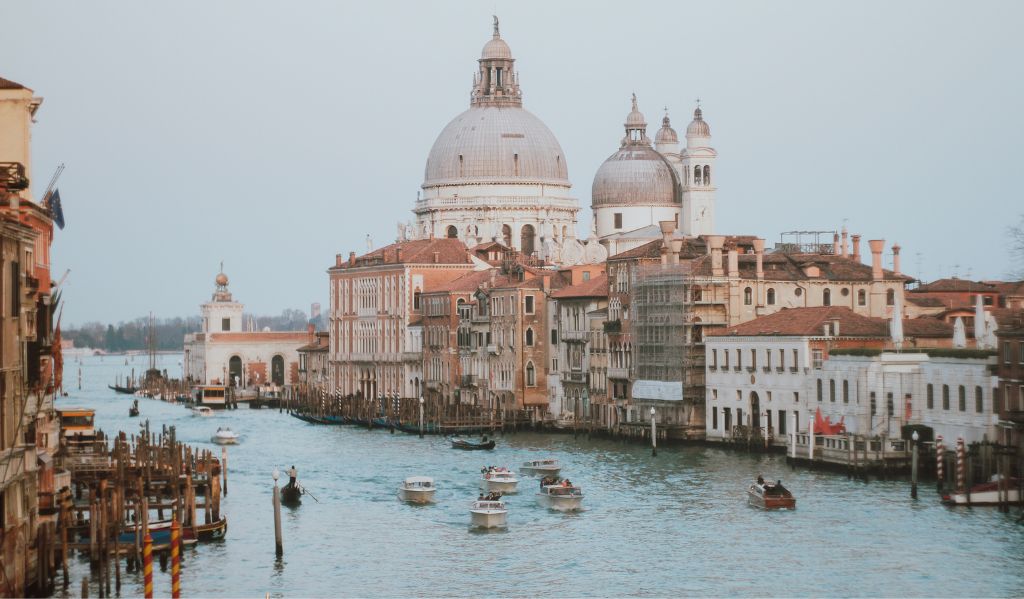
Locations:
(1016, 235)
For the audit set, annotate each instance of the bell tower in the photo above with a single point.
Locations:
(222, 314)
(698, 174)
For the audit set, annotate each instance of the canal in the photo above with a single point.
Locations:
(673, 525)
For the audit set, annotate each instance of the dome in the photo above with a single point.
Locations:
(635, 118)
(636, 175)
(697, 127)
(666, 135)
(222, 280)
(496, 48)
(496, 144)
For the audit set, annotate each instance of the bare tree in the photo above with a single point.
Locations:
(1016, 237)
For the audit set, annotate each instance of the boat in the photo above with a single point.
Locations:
(224, 436)
(77, 423)
(560, 495)
(417, 489)
(126, 389)
(460, 443)
(214, 396)
(291, 495)
(202, 411)
(502, 480)
(770, 495)
(212, 531)
(160, 533)
(488, 514)
(987, 493)
(545, 467)
(133, 410)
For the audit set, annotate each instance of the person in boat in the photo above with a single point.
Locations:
(292, 475)
(760, 480)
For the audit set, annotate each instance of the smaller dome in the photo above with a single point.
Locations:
(666, 135)
(222, 280)
(496, 48)
(697, 127)
(635, 119)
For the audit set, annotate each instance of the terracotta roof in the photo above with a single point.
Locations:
(954, 284)
(810, 322)
(1010, 287)
(8, 84)
(925, 302)
(467, 283)
(419, 251)
(1007, 317)
(595, 287)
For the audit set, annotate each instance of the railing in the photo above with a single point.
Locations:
(618, 373)
(574, 377)
(575, 335)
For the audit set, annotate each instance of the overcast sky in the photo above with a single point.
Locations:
(273, 136)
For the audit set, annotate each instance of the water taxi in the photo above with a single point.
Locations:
(488, 514)
(501, 480)
(561, 495)
(214, 396)
(546, 467)
(417, 489)
(77, 423)
(770, 495)
(225, 436)
(202, 411)
(987, 493)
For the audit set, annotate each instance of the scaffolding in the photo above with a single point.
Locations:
(661, 302)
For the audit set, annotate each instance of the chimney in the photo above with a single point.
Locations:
(667, 228)
(759, 253)
(896, 258)
(677, 246)
(437, 257)
(545, 284)
(856, 248)
(877, 246)
(337, 260)
(351, 258)
(835, 244)
(734, 262)
(845, 248)
(664, 252)
(312, 331)
(715, 246)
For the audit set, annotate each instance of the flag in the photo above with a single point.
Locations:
(56, 211)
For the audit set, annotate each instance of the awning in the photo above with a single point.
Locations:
(658, 390)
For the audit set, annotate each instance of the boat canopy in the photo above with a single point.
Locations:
(419, 480)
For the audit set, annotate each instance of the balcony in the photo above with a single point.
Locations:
(613, 326)
(574, 377)
(468, 380)
(780, 369)
(618, 373)
(751, 368)
(737, 369)
(574, 335)
(494, 349)
(766, 369)
(794, 369)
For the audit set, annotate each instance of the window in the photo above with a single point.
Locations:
(714, 394)
(528, 304)
(1020, 352)
(771, 297)
(782, 359)
(225, 324)
(945, 397)
(846, 391)
(416, 300)
(796, 397)
(725, 356)
(931, 396)
(817, 358)
(862, 298)
(554, 336)
(826, 297)
(714, 418)
(1007, 352)
(529, 337)
(890, 409)
(874, 407)
(978, 400)
(586, 276)
(796, 360)
(618, 220)
(962, 398)
(453, 232)
(739, 360)
(753, 358)
(890, 297)
(748, 296)
(707, 175)
(819, 389)
(531, 375)
(832, 390)
(714, 358)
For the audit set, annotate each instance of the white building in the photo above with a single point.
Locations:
(223, 353)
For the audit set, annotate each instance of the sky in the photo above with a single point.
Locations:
(272, 136)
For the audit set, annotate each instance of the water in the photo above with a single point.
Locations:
(673, 525)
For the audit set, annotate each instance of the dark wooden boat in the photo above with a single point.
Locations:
(770, 496)
(133, 410)
(125, 390)
(212, 531)
(459, 443)
(429, 428)
(291, 495)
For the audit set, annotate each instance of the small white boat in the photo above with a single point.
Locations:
(561, 497)
(987, 493)
(417, 489)
(202, 411)
(544, 467)
(489, 514)
(501, 480)
(225, 436)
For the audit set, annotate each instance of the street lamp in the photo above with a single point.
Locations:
(421, 416)
(278, 544)
(913, 465)
(654, 435)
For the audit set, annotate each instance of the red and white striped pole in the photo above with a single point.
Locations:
(961, 474)
(175, 560)
(940, 463)
(147, 565)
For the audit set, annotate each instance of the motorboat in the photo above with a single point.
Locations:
(488, 514)
(987, 493)
(202, 411)
(501, 480)
(546, 467)
(417, 489)
(770, 495)
(225, 436)
(460, 443)
(562, 496)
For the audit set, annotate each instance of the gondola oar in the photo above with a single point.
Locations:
(305, 491)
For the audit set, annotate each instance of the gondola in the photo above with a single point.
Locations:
(291, 495)
(429, 428)
(133, 410)
(124, 390)
(212, 531)
(459, 443)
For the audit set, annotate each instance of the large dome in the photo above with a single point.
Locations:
(635, 175)
(496, 144)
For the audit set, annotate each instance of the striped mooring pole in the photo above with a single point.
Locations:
(147, 565)
(961, 474)
(175, 560)
(940, 454)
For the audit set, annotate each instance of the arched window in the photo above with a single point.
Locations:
(931, 396)
(846, 391)
(826, 297)
(962, 398)
(531, 375)
(453, 232)
(697, 293)
(529, 337)
(862, 298)
(707, 175)
(526, 239)
(696, 175)
(978, 400)
(820, 386)
(832, 390)
(890, 297)
(748, 296)
(945, 397)
(771, 297)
